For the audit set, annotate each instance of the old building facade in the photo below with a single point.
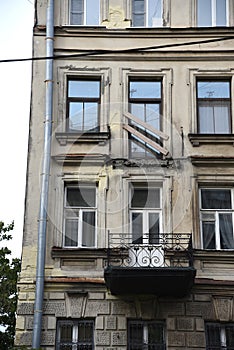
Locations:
(138, 239)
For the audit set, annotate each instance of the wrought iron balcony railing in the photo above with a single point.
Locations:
(150, 250)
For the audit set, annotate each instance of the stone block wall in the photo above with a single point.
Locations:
(184, 318)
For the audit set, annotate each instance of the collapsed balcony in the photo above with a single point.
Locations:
(160, 264)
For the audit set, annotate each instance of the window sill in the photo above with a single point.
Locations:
(198, 139)
(88, 137)
(74, 253)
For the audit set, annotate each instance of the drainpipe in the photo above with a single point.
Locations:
(42, 222)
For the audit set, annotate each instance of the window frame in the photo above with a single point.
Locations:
(75, 343)
(147, 151)
(81, 210)
(222, 329)
(83, 100)
(145, 14)
(214, 100)
(84, 15)
(145, 334)
(213, 15)
(216, 213)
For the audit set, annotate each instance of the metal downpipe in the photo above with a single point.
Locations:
(42, 222)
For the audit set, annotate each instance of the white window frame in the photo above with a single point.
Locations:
(146, 211)
(80, 211)
(85, 15)
(216, 213)
(213, 13)
(146, 14)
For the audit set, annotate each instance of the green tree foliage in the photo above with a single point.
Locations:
(9, 270)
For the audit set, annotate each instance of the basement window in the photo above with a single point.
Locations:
(219, 336)
(75, 335)
(146, 335)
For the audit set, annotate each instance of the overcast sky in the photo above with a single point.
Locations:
(16, 23)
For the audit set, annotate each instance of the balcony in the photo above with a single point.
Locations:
(160, 265)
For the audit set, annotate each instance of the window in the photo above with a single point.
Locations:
(83, 105)
(147, 335)
(214, 107)
(75, 335)
(216, 215)
(145, 212)
(219, 336)
(144, 98)
(212, 13)
(85, 12)
(147, 13)
(80, 216)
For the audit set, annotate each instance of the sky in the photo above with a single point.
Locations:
(16, 24)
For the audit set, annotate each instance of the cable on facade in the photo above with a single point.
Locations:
(103, 52)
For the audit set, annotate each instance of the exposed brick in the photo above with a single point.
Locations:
(172, 309)
(122, 308)
(119, 338)
(200, 309)
(111, 322)
(95, 308)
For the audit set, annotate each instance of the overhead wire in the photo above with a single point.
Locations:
(84, 52)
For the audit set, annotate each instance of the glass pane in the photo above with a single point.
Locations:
(138, 13)
(84, 88)
(213, 89)
(76, 118)
(66, 333)
(148, 113)
(155, 335)
(205, 118)
(137, 228)
(145, 198)
(91, 117)
(155, 13)
(153, 228)
(222, 118)
(216, 199)
(85, 332)
(214, 116)
(204, 13)
(221, 13)
(213, 336)
(208, 232)
(226, 231)
(230, 336)
(153, 115)
(88, 230)
(92, 12)
(136, 336)
(145, 89)
(138, 149)
(71, 232)
(77, 12)
(81, 197)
